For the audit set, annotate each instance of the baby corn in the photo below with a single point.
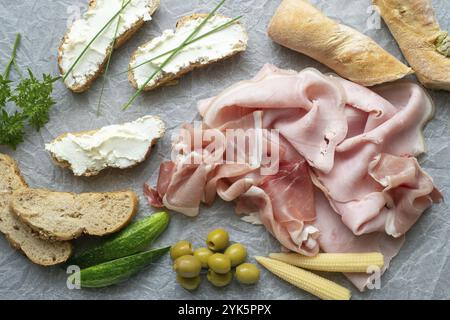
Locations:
(333, 262)
(308, 281)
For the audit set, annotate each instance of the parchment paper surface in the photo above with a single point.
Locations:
(420, 271)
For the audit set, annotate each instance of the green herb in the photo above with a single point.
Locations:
(11, 129)
(217, 29)
(32, 98)
(12, 61)
(5, 90)
(93, 39)
(108, 62)
(172, 55)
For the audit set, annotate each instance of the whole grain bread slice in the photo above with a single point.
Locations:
(19, 235)
(172, 78)
(153, 5)
(65, 216)
(10, 177)
(23, 238)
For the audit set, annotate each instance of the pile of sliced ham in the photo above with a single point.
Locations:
(347, 177)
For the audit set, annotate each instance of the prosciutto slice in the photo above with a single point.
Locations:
(343, 178)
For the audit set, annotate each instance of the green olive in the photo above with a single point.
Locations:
(203, 254)
(189, 283)
(181, 248)
(247, 273)
(219, 280)
(217, 240)
(187, 266)
(219, 263)
(237, 254)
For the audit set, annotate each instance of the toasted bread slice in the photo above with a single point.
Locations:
(19, 235)
(215, 47)
(92, 64)
(65, 216)
(23, 238)
(10, 177)
(89, 152)
(426, 47)
(299, 26)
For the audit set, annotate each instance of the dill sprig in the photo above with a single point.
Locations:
(172, 55)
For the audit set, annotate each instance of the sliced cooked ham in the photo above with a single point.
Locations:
(335, 237)
(356, 145)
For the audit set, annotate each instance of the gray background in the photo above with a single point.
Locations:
(420, 271)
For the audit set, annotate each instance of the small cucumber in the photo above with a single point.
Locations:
(116, 271)
(134, 238)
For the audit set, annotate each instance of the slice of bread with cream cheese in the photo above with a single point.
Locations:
(215, 47)
(77, 38)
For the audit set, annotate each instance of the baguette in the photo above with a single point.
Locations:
(65, 216)
(19, 235)
(426, 47)
(298, 25)
(215, 47)
(123, 146)
(92, 64)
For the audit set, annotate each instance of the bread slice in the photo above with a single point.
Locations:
(23, 238)
(10, 177)
(416, 29)
(84, 83)
(19, 235)
(298, 25)
(216, 47)
(67, 152)
(65, 216)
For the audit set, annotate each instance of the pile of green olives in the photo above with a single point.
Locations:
(218, 257)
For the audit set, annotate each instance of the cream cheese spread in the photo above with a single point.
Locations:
(116, 146)
(85, 29)
(213, 47)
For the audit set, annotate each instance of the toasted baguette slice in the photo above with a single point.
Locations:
(426, 47)
(23, 238)
(77, 38)
(298, 25)
(10, 177)
(117, 146)
(215, 47)
(19, 235)
(65, 216)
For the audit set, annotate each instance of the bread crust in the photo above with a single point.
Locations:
(66, 165)
(65, 248)
(53, 236)
(298, 25)
(12, 165)
(154, 5)
(171, 78)
(416, 29)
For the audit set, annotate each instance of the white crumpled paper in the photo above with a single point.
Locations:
(420, 271)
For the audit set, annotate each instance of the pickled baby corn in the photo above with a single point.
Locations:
(308, 281)
(333, 262)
